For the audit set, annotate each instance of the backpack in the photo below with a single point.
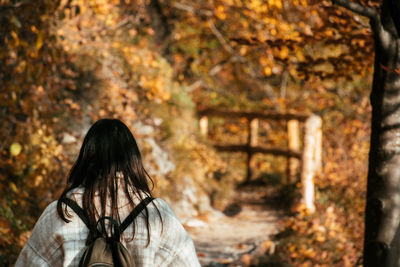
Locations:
(107, 250)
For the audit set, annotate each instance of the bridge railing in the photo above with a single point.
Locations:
(307, 159)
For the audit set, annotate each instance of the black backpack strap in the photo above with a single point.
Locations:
(78, 210)
(115, 235)
(138, 209)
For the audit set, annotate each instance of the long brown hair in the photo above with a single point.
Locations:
(109, 155)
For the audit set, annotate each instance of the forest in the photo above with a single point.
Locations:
(160, 65)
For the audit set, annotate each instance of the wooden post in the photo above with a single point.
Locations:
(253, 132)
(249, 165)
(252, 140)
(293, 144)
(309, 166)
(318, 149)
(204, 126)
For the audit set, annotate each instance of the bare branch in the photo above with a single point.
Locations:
(187, 8)
(357, 8)
(194, 85)
(220, 38)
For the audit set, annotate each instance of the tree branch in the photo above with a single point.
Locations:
(187, 8)
(357, 8)
(220, 38)
(383, 37)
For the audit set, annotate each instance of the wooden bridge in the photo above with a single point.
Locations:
(306, 157)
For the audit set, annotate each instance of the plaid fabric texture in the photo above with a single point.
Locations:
(56, 243)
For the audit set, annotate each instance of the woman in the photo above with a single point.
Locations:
(108, 179)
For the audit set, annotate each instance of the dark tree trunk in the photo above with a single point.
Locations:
(159, 23)
(382, 214)
(382, 240)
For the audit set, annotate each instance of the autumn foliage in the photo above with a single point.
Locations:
(152, 64)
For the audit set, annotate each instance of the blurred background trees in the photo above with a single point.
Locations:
(152, 63)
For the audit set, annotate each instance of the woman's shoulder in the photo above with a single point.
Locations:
(169, 218)
(174, 240)
(49, 214)
(163, 207)
(48, 220)
(45, 226)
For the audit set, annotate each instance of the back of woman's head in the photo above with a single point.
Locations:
(109, 166)
(109, 151)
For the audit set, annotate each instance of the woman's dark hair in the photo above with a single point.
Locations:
(109, 163)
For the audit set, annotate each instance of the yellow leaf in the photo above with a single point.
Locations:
(34, 29)
(267, 71)
(13, 187)
(39, 41)
(220, 12)
(15, 36)
(284, 52)
(15, 149)
(38, 180)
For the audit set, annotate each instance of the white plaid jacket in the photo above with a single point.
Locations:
(56, 243)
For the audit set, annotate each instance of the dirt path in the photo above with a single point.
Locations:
(225, 239)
